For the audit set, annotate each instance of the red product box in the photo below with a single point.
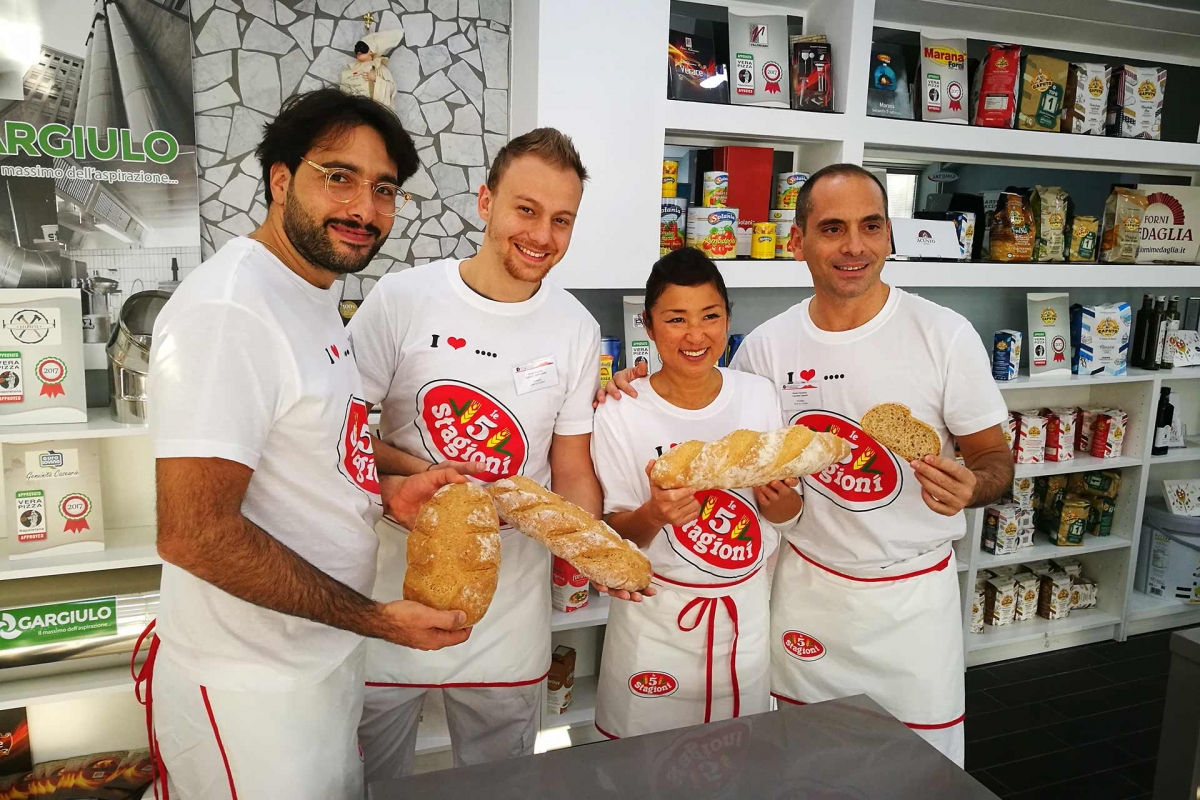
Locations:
(569, 590)
(751, 179)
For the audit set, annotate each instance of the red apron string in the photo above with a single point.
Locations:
(707, 607)
(146, 676)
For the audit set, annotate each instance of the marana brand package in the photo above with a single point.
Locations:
(1123, 213)
(943, 80)
(1085, 109)
(887, 86)
(994, 94)
(1049, 205)
(1043, 88)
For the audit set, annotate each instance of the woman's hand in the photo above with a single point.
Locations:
(778, 501)
(669, 506)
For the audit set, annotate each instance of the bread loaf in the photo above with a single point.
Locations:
(894, 427)
(748, 458)
(454, 552)
(571, 533)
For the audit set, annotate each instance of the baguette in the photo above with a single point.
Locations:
(894, 427)
(748, 458)
(571, 533)
(454, 552)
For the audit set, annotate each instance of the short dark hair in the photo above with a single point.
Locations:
(684, 267)
(313, 117)
(804, 199)
(549, 144)
(361, 47)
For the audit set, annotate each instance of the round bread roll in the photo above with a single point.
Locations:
(454, 552)
(894, 426)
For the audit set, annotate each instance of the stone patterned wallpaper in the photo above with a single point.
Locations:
(451, 74)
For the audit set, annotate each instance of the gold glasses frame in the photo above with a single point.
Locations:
(403, 198)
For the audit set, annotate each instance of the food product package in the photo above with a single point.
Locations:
(1000, 528)
(1060, 434)
(1049, 333)
(1068, 564)
(1072, 521)
(1012, 229)
(1006, 354)
(1009, 428)
(758, 48)
(715, 190)
(1054, 598)
(977, 605)
(1123, 213)
(997, 81)
(1028, 591)
(1135, 102)
(1031, 438)
(692, 69)
(1108, 437)
(672, 224)
(1083, 593)
(569, 587)
(1000, 600)
(943, 80)
(1022, 491)
(1085, 237)
(1043, 88)
(560, 681)
(713, 231)
(1100, 338)
(981, 577)
(1085, 109)
(887, 84)
(1049, 206)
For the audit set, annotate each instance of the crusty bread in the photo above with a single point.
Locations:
(748, 458)
(454, 552)
(571, 533)
(894, 426)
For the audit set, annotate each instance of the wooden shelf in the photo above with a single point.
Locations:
(123, 548)
(100, 425)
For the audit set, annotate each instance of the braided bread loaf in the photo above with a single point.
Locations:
(748, 458)
(571, 533)
(454, 552)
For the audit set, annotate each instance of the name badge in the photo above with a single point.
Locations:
(800, 397)
(541, 373)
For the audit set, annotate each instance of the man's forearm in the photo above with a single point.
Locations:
(394, 461)
(993, 477)
(634, 526)
(240, 558)
(580, 487)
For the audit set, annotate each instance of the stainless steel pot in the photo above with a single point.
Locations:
(129, 355)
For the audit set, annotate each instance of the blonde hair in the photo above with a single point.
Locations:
(549, 144)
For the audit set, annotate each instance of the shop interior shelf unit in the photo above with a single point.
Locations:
(99, 425)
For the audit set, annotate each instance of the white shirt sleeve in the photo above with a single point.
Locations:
(619, 476)
(575, 416)
(751, 356)
(220, 376)
(972, 401)
(375, 339)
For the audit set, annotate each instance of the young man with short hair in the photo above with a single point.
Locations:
(267, 484)
(483, 362)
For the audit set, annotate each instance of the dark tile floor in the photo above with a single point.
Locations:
(1082, 722)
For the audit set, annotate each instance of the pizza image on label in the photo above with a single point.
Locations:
(725, 540)
(868, 479)
(461, 422)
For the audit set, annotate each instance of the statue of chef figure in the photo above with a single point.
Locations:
(370, 77)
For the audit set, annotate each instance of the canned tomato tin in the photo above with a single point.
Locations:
(763, 243)
(713, 231)
(610, 357)
(672, 224)
(787, 188)
(670, 178)
(731, 348)
(783, 219)
(716, 190)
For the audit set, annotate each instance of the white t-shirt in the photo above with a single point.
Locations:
(867, 512)
(460, 377)
(729, 540)
(250, 363)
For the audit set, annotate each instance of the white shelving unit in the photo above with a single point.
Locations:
(123, 548)
(100, 425)
(65, 686)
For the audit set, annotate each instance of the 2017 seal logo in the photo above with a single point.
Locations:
(461, 422)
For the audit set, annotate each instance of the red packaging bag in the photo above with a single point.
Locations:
(994, 95)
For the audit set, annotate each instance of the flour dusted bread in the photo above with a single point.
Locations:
(454, 552)
(748, 458)
(894, 426)
(571, 533)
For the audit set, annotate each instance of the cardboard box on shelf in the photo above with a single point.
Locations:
(561, 680)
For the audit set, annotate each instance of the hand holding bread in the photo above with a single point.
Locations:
(454, 552)
(571, 533)
(744, 459)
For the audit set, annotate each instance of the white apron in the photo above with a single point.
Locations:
(510, 646)
(895, 636)
(688, 655)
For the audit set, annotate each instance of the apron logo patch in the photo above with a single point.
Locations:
(653, 684)
(867, 479)
(725, 540)
(461, 422)
(356, 457)
(803, 647)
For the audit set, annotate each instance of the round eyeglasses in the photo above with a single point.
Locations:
(343, 186)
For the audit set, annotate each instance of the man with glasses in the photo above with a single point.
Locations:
(267, 484)
(481, 361)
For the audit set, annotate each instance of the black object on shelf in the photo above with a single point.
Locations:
(694, 71)
(1162, 422)
(1141, 331)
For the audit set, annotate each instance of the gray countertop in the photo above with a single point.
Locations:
(1187, 644)
(847, 749)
